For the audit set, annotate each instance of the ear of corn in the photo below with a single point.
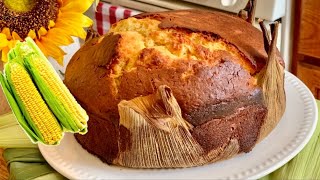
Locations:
(35, 111)
(61, 102)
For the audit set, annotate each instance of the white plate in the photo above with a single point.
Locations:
(284, 142)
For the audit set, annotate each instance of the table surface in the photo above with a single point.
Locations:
(3, 167)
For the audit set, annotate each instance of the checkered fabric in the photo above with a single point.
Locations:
(107, 14)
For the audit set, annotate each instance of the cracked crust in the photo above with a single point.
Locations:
(233, 29)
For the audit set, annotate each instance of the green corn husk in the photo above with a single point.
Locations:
(11, 133)
(28, 163)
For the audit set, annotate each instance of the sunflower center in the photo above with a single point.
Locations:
(20, 5)
(21, 16)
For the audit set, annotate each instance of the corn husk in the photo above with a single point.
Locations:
(11, 134)
(159, 137)
(28, 163)
(271, 81)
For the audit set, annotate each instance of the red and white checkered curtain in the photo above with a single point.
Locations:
(107, 14)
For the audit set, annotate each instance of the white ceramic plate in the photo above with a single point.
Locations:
(284, 142)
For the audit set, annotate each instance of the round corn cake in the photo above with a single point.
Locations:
(210, 60)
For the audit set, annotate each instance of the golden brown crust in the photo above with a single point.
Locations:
(226, 83)
(87, 77)
(243, 35)
(101, 139)
(242, 125)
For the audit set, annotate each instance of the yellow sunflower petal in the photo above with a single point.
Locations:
(41, 32)
(5, 51)
(32, 34)
(77, 6)
(51, 24)
(72, 29)
(3, 40)
(59, 36)
(12, 43)
(77, 18)
(65, 2)
(41, 46)
(6, 31)
(15, 36)
(53, 51)
(59, 60)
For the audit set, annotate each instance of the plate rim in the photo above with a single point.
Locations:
(301, 88)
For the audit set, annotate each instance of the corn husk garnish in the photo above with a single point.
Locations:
(154, 135)
(159, 135)
(271, 80)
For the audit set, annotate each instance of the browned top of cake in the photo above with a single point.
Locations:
(243, 35)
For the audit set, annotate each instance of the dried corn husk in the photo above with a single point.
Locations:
(271, 80)
(159, 135)
(156, 136)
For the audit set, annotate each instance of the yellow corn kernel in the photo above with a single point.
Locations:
(35, 106)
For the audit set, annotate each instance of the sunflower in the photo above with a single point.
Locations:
(51, 23)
